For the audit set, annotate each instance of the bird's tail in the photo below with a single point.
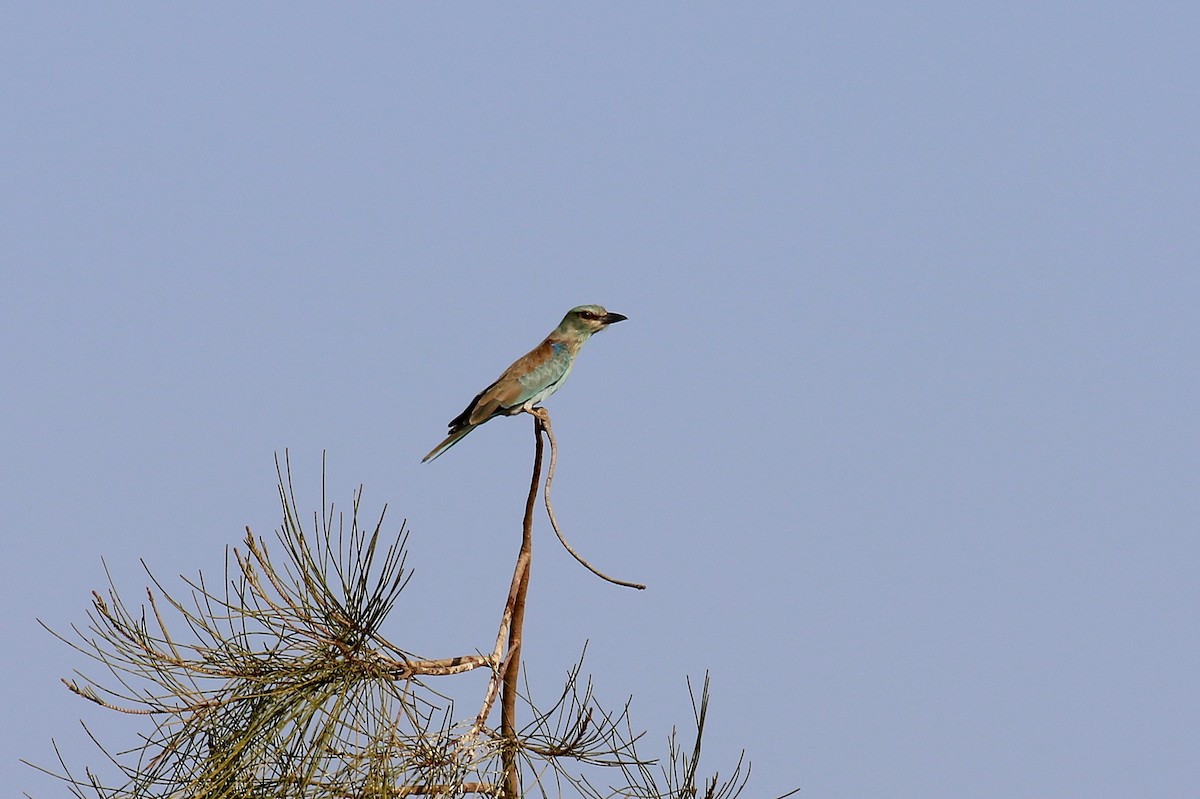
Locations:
(449, 442)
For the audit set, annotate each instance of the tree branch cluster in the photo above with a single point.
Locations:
(278, 682)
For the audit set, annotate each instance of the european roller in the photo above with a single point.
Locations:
(532, 377)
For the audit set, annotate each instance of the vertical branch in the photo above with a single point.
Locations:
(508, 702)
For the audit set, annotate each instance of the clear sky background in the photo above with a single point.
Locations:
(901, 431)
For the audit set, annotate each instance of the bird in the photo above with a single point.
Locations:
(532, 377)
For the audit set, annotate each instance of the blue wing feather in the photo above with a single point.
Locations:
(542, 380)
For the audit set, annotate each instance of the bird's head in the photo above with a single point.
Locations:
(589, 319)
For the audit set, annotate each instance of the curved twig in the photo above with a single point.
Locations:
(543, 423)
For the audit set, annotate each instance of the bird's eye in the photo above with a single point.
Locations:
(587, 314)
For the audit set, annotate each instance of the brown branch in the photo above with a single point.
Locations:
(516, 601)
(401, 670)
(499, 668)
(511, 622)
(442, 790)
(543, 417)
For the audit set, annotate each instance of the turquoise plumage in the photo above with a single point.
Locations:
(532, 377)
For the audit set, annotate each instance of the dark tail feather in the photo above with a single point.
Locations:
(450, 441)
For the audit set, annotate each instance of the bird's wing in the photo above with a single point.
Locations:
(543, 369)
(528, 377)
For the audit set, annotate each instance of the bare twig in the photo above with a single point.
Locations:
(512, 670)
(543, 423)
(443, 790)
(497, 660)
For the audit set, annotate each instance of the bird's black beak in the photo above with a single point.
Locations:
(610, 318)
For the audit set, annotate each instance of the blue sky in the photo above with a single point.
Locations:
(901, 430)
